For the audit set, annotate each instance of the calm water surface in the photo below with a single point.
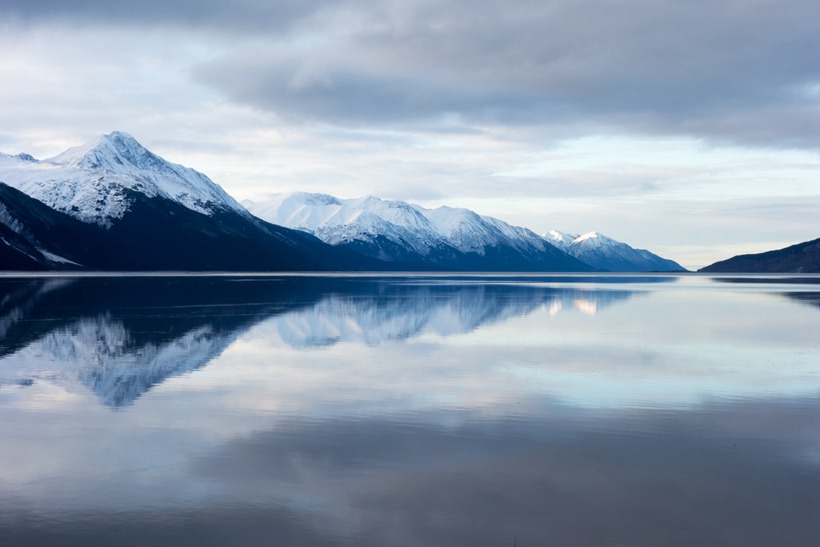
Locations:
(410, 411)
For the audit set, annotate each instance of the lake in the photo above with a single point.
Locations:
(498, 411)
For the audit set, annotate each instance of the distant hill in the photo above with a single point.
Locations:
(800, 258)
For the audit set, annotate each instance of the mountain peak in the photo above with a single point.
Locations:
(91, 181)
(117, 151)
(591, 236)
(123, 142)
(560, 239)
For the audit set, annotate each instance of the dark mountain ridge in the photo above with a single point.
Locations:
(800, 258)
(159, 234)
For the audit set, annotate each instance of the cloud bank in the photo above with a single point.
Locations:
(743, 72)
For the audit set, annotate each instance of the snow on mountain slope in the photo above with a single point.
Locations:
(473, 233)
(456, 237)
(337, 221)
(8, 220)
(605, 253)
(34, 236)
(562, 240)
(92, 182)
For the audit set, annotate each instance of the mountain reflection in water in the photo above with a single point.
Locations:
(121, 336)
(405, 411)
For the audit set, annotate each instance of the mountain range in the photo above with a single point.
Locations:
(415, 238)
(445, 238)
(111, 204)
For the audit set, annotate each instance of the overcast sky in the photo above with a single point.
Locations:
(691, 128)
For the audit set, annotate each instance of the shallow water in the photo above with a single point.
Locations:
(433, 410)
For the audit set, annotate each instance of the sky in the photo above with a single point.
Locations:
(691, 129)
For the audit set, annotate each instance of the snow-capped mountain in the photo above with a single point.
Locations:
(113, 205)
(402, 233)
(92, 182)
(607, 254)
(473, 233)
(393, 230)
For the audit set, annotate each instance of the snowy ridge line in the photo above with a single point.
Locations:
(605, 253)
(426, 231)
(336, 220)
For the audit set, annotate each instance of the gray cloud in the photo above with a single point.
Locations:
(237, 15)
(718, 70)
(350, 95)
(740, 72)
